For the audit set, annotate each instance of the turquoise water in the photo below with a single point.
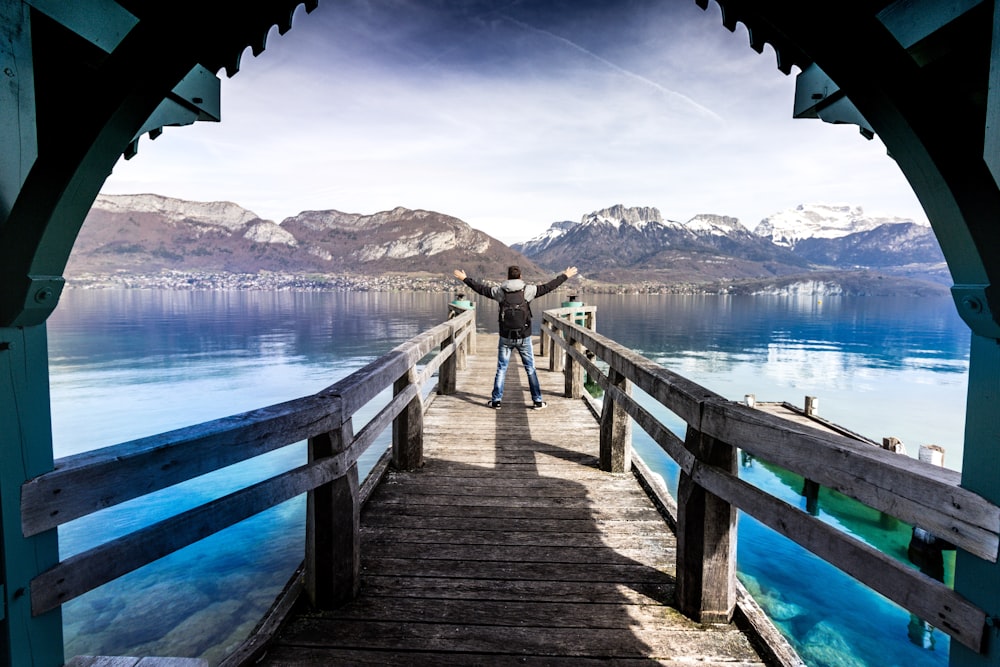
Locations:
(126, 364)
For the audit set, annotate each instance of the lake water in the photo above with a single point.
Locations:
(130, 363)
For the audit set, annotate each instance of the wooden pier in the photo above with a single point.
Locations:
(516, 536)
(510, 546)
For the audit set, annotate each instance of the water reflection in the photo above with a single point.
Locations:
(130, 363)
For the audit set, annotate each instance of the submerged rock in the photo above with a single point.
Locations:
(825, 646)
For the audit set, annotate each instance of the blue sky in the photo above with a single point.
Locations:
(514, 115)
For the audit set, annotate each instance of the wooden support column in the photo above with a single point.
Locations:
(706, 538)
(408, 427)
(812, 405)
(573, 373)
(447, 374)
(810, 488)
(616, 429)
(333, 528)
(461, 362)
(556, 353)
(473, 338)
(543, 340)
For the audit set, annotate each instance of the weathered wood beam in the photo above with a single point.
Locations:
(915, 591)
(408, 427)
(706, 535)
(909, 489)
(616, 428)
(105, 477)
(573, 373)
(85, 571)
(333, 526)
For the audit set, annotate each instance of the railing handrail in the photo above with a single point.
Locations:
(912, 490)
(85, 483)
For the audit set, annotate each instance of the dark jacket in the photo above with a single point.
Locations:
(531, 292)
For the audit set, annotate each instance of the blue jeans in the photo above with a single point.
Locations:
(523, 347)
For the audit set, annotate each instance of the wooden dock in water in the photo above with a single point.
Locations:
(517, 536)
(510, 546)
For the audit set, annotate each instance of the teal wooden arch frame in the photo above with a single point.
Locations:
(81, 81)
(925, 77)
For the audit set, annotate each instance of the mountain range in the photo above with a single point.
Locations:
(619, 248)
(149, 233)
(618, 243)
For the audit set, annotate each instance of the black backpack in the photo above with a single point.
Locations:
(515, 315)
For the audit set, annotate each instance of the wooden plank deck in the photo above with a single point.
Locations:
(510, 547)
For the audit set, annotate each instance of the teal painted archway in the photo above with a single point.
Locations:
(82, 81)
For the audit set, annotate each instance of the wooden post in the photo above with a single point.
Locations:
(574, 373)
(894, 445)
(891, 444)
(25, 452)
(473, 336)
(333, 528)
(408, 427)
(933, 454)
(812, 405)
(556, 353)
(461, 363)
(543, 339)
(616, 429)
(925, 548)
(810, 490)
(447, 378)
(706, 538)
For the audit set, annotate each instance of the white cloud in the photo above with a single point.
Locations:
(511, 123)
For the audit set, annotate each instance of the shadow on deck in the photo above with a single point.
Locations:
(510, 546)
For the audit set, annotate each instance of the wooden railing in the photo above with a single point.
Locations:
(710, 490)
(85, 483)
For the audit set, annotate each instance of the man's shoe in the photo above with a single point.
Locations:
(493, 404)
(540, 405)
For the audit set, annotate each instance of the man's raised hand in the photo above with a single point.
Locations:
(460, 274)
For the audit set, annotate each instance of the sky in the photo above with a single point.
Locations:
(512, 116)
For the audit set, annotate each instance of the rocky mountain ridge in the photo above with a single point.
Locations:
(719, 248)
(617, 249)
(149, 233)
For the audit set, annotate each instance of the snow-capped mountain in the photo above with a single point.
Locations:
(618, 245)
(607, 243)
(819, 221)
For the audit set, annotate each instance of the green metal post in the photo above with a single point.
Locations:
(976, 579)
(25, 452)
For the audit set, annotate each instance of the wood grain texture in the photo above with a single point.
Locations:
(510, 546)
